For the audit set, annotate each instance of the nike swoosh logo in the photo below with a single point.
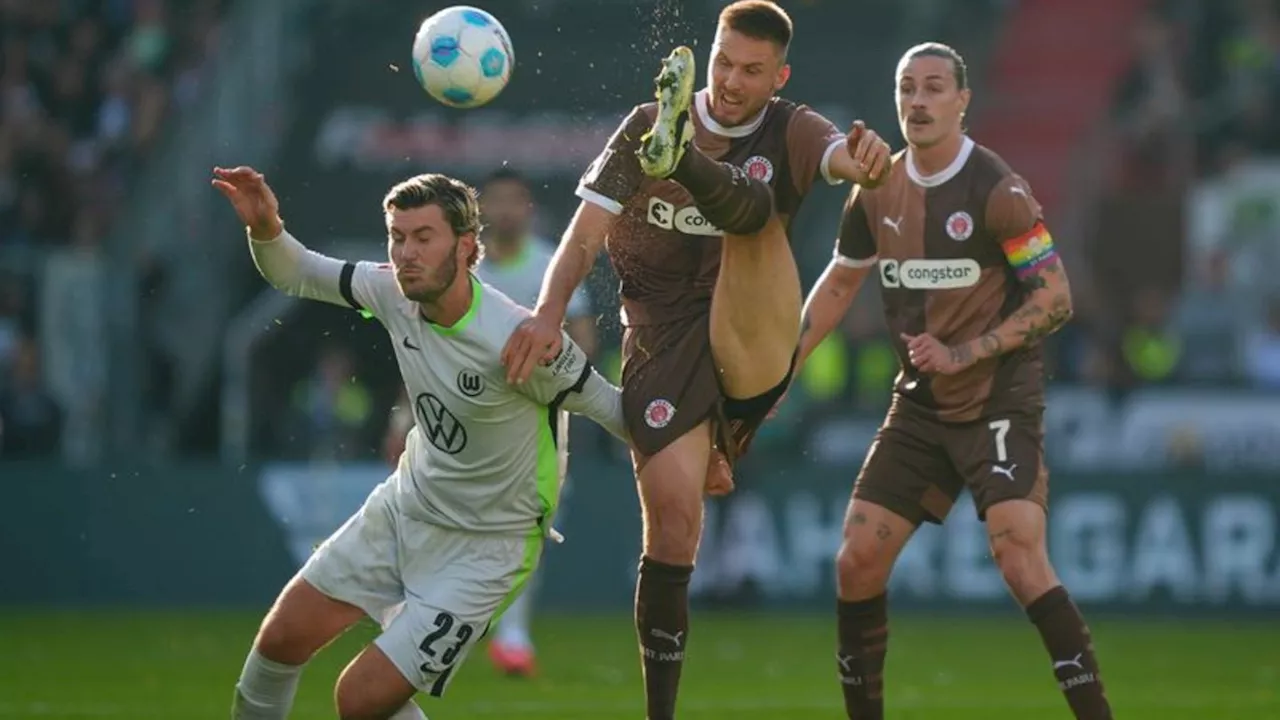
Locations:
(409, 344)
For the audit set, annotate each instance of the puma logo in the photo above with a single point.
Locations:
(846, 662)
(895, 224)
(1068, 663)
(1005, 471)
(664, 635)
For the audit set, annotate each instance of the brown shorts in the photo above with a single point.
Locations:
(670, 385)
(918, 464)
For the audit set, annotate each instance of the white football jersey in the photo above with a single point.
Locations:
(482, 454)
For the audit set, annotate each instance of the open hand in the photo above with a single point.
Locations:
(929, 355)
(535, 341)
(870, 152)
(252, 199)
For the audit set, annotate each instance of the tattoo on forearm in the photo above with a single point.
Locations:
(961, 354)
(1047, 322)
(883, 531)
(858, 519)
(990, 345)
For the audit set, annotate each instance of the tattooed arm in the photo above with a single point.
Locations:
(828, 302)
(1047, 308)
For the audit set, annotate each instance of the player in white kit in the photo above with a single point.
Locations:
(514, 263)
(448, 540)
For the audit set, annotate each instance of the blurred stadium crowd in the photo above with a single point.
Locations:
(1190, 154)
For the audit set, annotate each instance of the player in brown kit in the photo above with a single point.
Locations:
(694, 194)
(971, 283)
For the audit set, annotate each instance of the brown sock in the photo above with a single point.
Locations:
(662, 622)
(864, 641)
(727, 197)
(1070, 646)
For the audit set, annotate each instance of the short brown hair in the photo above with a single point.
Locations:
(457, 200)
(760, 20)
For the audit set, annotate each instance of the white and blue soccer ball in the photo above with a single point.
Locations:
(462, 56)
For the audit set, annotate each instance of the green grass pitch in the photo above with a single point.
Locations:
(183, 665)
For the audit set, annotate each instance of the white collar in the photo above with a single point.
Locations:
(737, 131)
(938, 178)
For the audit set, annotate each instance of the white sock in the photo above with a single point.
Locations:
(409, 712)
(513, 629)
(265, 690)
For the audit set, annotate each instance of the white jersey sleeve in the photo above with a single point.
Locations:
(295, 270)
(571, 383)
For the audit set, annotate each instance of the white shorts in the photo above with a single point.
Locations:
(434, 590)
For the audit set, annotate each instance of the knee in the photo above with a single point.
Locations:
(862, 571)
(278, 642)
(672, 541)
(673, 526)
(1023, 562)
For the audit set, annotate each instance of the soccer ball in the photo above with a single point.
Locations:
(462, 56)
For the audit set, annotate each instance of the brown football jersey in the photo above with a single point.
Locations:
(665, 252)
(947, 250)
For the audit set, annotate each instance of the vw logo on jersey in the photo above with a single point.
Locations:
(442, 428)
(960, 226)
(759, 168)
(470, 383)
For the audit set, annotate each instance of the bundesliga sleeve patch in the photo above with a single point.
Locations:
(1030, 251)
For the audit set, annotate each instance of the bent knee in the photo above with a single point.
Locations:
(282, 641)
(673, 538)
(1024, 564)
(862, 568)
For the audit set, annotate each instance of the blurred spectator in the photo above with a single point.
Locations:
(1209, 321)
(332, 410)
(84, 91)
(1262, 350)
(30, 421)
(1151, 350)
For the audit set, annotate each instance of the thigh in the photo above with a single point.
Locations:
(755, 311)
(358, 563)
(457, 584)
(1002, 458)
(669, 382)
(907, 470)
(744, 417)
(671, 489)
(301, 622)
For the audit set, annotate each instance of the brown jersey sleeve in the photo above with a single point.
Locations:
(810, 137)
(1015, 220)
(615, 175)
(856, 244)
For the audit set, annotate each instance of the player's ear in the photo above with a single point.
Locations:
(469, 250)
(784, 74)
(965, 95)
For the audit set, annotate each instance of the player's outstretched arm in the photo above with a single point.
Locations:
(866, 158)
(537, 340)
(281, 260)
(570, 382)
(600, 401)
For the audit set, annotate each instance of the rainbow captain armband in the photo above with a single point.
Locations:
(1030, 251)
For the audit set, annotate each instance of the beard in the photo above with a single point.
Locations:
(429, 288)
